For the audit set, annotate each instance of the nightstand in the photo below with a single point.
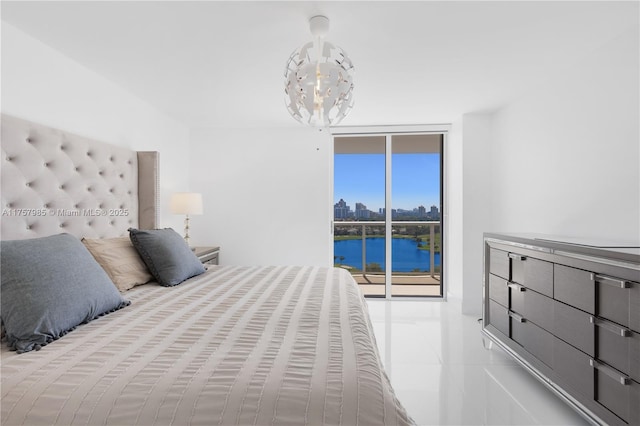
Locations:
(207, 255)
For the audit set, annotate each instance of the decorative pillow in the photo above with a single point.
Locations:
(166, 254)
(120, 260)
(49, 286)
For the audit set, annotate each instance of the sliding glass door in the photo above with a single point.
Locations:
(387, 212)
(359, 225)
(416, 205)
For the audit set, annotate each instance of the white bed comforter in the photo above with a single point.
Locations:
(236, 345)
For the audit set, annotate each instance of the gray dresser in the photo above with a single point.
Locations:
(569, 311)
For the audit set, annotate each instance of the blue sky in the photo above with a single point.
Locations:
(359, 178)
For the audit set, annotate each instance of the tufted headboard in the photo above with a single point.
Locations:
(54, 182)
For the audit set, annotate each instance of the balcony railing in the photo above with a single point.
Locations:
(432, 225)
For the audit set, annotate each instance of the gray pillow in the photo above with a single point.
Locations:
(49, 286)
(166, 254)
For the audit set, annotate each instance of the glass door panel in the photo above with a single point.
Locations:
(358, 212)
(416, 194)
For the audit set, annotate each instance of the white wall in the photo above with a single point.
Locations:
(266, 192)
(453, 217)
(566, 158)
(42, 85)
(477, 205)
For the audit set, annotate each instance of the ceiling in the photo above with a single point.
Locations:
(215, 63)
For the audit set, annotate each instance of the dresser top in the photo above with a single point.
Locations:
(621, 250)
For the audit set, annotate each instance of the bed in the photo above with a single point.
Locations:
(241, 345)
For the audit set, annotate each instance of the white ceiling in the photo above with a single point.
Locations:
(213, 63)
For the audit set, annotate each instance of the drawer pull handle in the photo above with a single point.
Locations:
(620, 378)
(516, 286)
(616, 282)
(616, 329)
(517, 317)
(517, 256)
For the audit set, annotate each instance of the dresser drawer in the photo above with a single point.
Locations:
(535, 340)
(538, 308)
(616, 298)
(532, 273)
(619, 347)
(499, 317)
(499, 263)
(534, 306)
(617, 393)
(498, 290)
(574, 327)
(574, 287)
(573, 368)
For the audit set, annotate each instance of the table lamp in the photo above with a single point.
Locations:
(186, 203)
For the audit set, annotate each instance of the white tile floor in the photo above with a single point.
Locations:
(443, 375)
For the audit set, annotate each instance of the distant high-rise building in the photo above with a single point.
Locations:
(341, 210)
(434, 213)
(422, 211)
(362, 212)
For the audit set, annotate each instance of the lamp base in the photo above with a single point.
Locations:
(186, 229)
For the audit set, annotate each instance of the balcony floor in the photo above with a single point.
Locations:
(401, 285)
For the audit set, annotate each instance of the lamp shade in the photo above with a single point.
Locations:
(186, 203)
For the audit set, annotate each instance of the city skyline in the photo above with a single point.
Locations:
(355, 203)
(342, 210)
(415, 180)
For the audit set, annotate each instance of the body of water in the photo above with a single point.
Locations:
(406, 255)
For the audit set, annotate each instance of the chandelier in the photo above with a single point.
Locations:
(319, 79)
